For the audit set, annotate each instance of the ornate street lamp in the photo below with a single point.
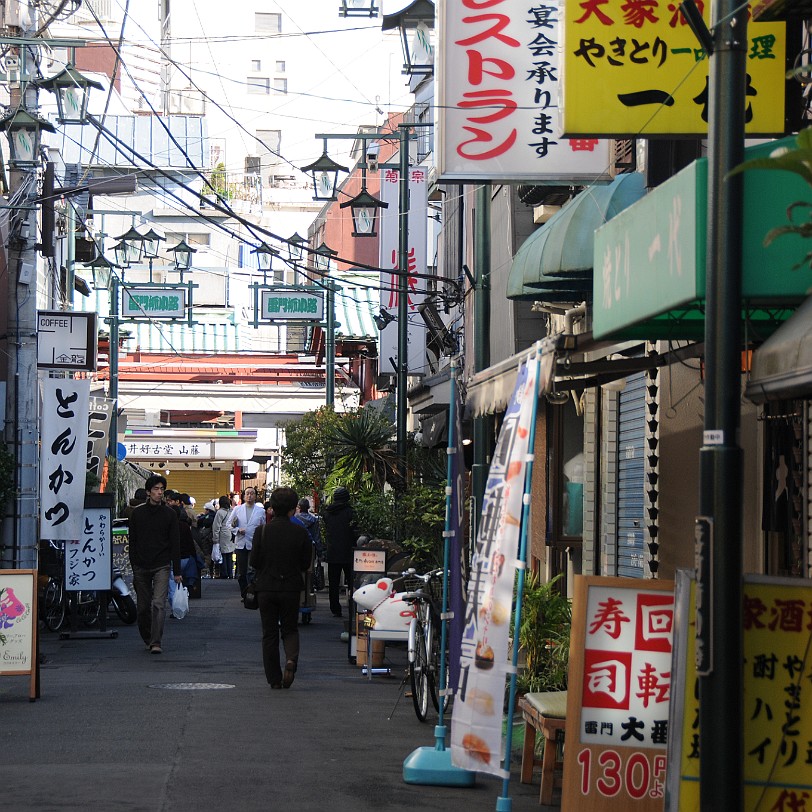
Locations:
(152, 242)
(364, 211)
(415, 23)
(265, 255)
(295, 244)
(183, 257)
(102, 270)
(122, 253)
(322, 256)
(358, 8)
(72, 91)
(24, 130)
(324, 172)
(133, 242)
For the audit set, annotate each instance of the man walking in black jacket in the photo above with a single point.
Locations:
(154, 547)
(281, 552)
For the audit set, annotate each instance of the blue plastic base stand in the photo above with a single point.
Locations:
(504, 804)
(432, 765)
(427, 765)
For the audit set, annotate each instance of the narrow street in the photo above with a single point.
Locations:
(113, 729)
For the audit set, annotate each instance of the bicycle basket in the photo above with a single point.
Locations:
(435, 590)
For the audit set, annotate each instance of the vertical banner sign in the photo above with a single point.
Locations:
(89, 559)
(457, 550)
(389, 230)
(476, 734)
(63, 459)
(100, 411)
(777, 697)
(652, 74)
(618, 696)
(498, 83)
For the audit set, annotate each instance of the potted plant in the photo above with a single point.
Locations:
(544, 636)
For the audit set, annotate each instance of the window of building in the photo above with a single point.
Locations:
(280, 65)
(259, 85)
(267, 23)
(256, 65)
(280, 85)
(565, 475)
(270, 141)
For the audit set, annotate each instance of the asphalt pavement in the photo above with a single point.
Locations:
(198, 727)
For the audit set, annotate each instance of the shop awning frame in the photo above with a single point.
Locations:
(489, 391)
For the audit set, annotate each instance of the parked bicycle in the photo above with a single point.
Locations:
(424, 640)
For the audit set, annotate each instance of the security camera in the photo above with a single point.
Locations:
(373, 148)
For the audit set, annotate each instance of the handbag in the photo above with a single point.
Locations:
(180, 602)
(250, 599)
(216, 555)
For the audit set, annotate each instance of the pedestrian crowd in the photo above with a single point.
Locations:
(277, 547)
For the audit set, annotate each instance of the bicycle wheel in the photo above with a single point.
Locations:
(54, 606)
(88, 608)
(419, 674)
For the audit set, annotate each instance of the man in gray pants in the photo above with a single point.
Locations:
(154, 543)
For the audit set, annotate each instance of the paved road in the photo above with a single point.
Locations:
(113, 731)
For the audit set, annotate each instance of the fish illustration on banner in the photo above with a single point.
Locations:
(476, 733)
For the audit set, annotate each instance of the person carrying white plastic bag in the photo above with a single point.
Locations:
(180, 602)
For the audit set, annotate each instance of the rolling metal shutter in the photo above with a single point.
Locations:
(631, 477)
(202, 483)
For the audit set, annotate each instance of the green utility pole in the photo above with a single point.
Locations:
(719, 529)
(482, 337)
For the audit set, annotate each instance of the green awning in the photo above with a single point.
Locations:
(652, 257)
(782, 365)
(555, 262)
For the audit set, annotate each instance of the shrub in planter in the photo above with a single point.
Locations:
(544, 636)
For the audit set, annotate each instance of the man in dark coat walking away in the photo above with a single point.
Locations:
(154, 547)
(281, 552)
(341, 533)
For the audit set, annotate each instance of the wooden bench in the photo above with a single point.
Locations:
(544, 713)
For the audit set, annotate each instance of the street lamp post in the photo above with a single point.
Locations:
(402, 273)
(322, 257)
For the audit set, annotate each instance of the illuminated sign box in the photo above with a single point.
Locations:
(649, 260)
(154, 302)
(291, 305)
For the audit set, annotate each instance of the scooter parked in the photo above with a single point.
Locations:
(121, 598)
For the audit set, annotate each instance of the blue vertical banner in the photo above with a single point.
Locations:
(476, 733)
(458, 557)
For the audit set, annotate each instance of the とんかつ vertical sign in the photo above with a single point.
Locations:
(619, 694)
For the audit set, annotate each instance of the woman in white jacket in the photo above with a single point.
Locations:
(222, 534)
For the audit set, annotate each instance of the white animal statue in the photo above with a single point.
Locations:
(389, 611)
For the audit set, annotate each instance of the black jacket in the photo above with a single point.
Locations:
(153, 537)
(341, 532)
(281, 552)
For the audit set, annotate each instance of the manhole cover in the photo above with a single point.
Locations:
(193, 686)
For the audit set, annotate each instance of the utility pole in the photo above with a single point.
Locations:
(403, 303)
(20, 534)
(719, 548)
